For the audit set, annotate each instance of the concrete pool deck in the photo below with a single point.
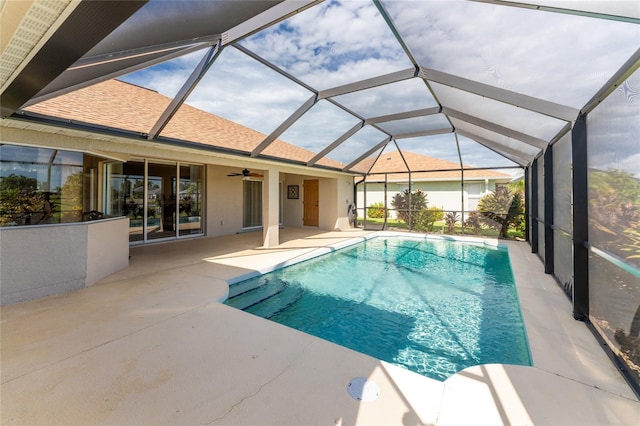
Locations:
(151, 345)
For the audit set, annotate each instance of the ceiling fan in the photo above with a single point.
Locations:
(246, 174)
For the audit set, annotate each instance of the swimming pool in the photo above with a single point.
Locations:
(431, 305)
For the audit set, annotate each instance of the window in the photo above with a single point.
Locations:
(44, 186)
(162, 200)
(252, 204)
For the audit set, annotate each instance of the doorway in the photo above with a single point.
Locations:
(311, 203)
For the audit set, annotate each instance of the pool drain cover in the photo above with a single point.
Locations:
(364, 390)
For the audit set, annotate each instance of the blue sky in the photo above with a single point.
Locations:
(561, 58)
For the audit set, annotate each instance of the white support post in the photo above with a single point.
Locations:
(271, 208)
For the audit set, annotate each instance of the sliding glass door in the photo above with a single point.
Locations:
(162, 200)
(190, 200)
(252, 204)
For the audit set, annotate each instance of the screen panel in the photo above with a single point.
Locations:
(525, 51)
(403, 96)
(613, 158)
(509, 116)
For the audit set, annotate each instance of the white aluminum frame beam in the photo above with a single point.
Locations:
(522, 137)
(423, 133)
(551, 109)
(378, 146)
(275, 68)
(91, 61)
(591, 14)
(352, 131)
(285, 125)
(392, 26)
(628, 68)
(169, 56)
(514, 155)
(369, 83)
(269, 17)
(403, 115)
(186, 89)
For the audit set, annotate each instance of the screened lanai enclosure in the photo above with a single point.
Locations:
(462, 105)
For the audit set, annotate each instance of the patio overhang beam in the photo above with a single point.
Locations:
(142, 52)
(74, 78)
(551, 109)
(185, 90)
(269, 17)
(522, 137)
(423, 133)
(86, 25)
(403, 115)
(623, 17)
(285, 125)
(336, 143)
(514, 155)
(377, 147)
(369, 83)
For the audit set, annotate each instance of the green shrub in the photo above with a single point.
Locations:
(376, 210)
(502, 210)
(450, 220)
(474, 222)
(427, 217)
(400, 203)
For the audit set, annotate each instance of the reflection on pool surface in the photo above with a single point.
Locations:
(432, 306)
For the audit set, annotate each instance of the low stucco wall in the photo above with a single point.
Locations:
(38, 261)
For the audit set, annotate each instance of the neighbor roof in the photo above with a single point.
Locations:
(419, 164)
(492, 81)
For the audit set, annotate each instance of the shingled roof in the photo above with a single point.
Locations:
(116, 104)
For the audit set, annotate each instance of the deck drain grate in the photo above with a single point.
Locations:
(363, 389)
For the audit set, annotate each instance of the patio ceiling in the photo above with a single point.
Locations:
(482, 83)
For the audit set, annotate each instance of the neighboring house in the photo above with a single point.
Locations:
(442, 185)
(197, 180)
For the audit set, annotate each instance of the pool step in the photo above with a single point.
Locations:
(271, 306)
(245, 286)
(256, 295)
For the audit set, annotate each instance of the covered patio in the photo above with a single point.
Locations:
(152, 344)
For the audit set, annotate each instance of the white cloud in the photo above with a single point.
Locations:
(332, 44)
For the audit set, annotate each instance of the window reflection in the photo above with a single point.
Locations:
(155, 208)
(44, 186)
(189, 198)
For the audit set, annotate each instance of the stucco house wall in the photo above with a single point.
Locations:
(44, 260)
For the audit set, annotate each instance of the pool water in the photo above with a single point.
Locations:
(432, 306)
